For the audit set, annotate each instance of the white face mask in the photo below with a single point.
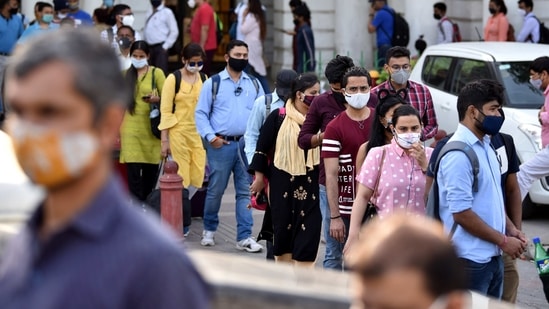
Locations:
(521, 12)
(139, 63)
(406, 140)
(357, 100)
(127, 20)
(61, 16)
(191, 3)
(536, 83)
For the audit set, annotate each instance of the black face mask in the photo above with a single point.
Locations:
(14, 11)
(437, 16)
(156, 3)
(339, 97)
(124, 42)
(492, 11)
(238, 64)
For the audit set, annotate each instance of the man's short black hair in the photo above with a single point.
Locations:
(397, 52)
(527, 3)
(234, 43)
(540, 64)
(478, 93)
(41, 5)
(355, 72)
(336, 68)
(126, 27)
(440, 6)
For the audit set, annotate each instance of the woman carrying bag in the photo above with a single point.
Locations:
(140, 149)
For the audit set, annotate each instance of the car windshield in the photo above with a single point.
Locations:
(516, 80)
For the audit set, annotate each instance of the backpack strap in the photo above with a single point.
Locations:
(268, 101)
(256, 85)
(153, 82)
(203, 76)
(216, 80)
(177, 75)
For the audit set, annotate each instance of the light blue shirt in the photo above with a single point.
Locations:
(10, 31)
(530, 29)
(34, 30)
(229, 114)
(255, 122)
(455, 179)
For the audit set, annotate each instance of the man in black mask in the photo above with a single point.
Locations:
(323, 109)
(125, 36)
(221, 116)
(445, 26)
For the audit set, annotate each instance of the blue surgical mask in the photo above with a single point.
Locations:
(491, 124)
(108, 3)
(139, 63)
(47, 18)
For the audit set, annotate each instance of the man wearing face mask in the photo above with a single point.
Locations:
(160, 32)
(44, 22)
(482, 231)
(538, 166)
(324, 109)
(80, 17)
(398, 66)
(121, 15)
(445, 27)
(342, 138)
(9, 33)
(126, 37)
(203, 30)
(85, 227)
(530, 27)
(221, 121)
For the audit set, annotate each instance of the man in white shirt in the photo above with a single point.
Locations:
(121, 15)
(445, 26)
(529, 32)
(160, 33)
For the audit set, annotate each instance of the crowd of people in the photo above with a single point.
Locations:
(322, 158)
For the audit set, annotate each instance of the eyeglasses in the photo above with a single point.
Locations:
(354, 89)
(196, 64)
(238, 91)
(405, 67)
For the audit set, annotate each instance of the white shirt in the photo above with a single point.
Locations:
(161, 27)
(445, 31)
(125, 62)
(530, 29)
(239, 11)
(114, 44)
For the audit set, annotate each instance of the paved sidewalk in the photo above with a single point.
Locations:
(225, 237)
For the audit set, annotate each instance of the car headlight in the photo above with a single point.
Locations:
(533, 132)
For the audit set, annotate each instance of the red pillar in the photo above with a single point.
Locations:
(171, 187)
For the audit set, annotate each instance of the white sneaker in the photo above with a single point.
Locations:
(207, 238)
(249, 244)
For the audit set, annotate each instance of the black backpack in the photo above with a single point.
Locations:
(177, 74)
(543, 32)
(401, 30)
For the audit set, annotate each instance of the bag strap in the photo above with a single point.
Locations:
(268, 101)
(153, 82)
(379, 174)
(160, 172)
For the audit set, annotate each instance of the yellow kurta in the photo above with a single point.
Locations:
(185, 142)
(137, 144)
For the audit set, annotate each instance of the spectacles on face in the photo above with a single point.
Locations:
(238, 91)
(355, 89)
(196, 63)
(396, 67)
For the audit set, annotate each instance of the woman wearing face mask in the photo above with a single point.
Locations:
(140, 149)
(179, 136)
(497, 26)
(293, 177)
(401, 177)
(254, 29)
(305, 40)
(381, 133)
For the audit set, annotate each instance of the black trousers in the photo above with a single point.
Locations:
(141, 179)
(159, 57)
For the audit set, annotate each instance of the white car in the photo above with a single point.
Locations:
(446, 68)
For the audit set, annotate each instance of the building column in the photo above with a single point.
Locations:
(351, 33)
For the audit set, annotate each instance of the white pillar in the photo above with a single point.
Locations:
(351, 33)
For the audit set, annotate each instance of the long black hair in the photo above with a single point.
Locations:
(303, 82)
(386, 101)
(131, 73)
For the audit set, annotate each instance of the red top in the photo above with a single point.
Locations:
(204, 16)
(342, 138)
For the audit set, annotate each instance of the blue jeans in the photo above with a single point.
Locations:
(486, 278)
(222, 162)
(334, 249)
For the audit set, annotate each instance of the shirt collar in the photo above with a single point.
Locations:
(225, 75)
(396, 148)
(275, 96)
(469, 136)
(95, 219)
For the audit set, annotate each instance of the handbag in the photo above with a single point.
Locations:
(154, 115)
(371, 209)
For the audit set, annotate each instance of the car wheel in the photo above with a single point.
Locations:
(528, 208)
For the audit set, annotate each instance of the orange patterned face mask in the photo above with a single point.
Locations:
(52, 158)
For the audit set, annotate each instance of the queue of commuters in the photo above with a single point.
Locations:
(326, 157)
